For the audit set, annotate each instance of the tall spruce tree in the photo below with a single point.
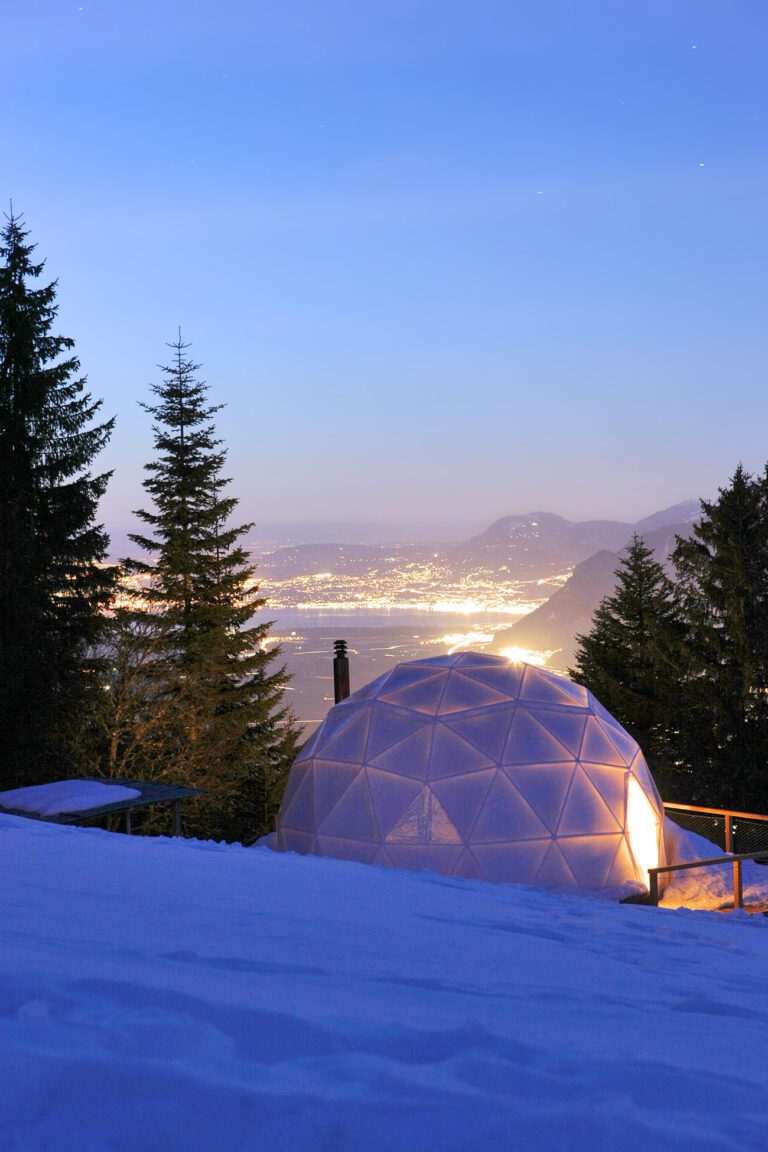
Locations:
(209, 709)
(53, 584)
(627, 657)
(722, 581)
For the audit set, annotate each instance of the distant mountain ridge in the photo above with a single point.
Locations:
(542, 537)
(540, 544)
(568, 613)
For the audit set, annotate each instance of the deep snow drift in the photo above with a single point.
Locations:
(174, 995)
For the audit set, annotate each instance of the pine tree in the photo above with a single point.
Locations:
(53, 584)
(210, 699)
(626, 659)
(722, 578)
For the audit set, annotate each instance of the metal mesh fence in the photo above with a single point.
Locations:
(748, 835)
(709, 888)
(712, 828)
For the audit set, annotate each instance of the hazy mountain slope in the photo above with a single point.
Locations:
(684, 513)
(540, 541)
(568, 613)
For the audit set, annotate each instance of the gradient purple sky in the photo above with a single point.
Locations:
(443, 261)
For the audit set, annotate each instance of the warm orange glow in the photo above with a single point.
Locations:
(526, 656)
(457, 641)
(642, 831)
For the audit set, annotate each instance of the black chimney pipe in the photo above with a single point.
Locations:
(340, 671)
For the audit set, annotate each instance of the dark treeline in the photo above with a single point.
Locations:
(680, 657)
(149, 669)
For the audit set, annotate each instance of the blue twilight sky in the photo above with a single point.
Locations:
(443, 260)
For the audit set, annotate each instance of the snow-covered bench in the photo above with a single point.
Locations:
(78, 801)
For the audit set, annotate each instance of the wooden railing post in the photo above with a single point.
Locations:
(653, 887)
(738, 886)
(728, 832)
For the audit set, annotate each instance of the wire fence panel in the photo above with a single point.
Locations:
(707, 888)
(709, 883)
(750, 835)
(709, 826)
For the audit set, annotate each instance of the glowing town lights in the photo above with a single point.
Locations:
(642, 831)
(455, 641)
(458, 607)
(526, 656)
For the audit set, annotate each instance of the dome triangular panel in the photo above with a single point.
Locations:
(348, 743)
(425, 821)
(505, 679)
(541, 687)
(623, 867)
(640, 769)
(353, 816)
(299, 813)
(585, 812)
(567, 727)
(505, 808)
(391, 797)
(390, 726)
(468, 867)
(309, 747)
(408, 757)
(452, 755)
(487, 732)
(590, 858)
(545, 787)
(300, 770)
(597, 748)
(446, 661)
(340, 848)
(611, 783)
(301, 842)
(626, 746)
(580, 696)
(406, 675)
(331, 782)
(529, 742)
(423, 695)
(512, 863)
(467, 660)
(463, 693)
(463, 797)
(554, 872)
(368, 692)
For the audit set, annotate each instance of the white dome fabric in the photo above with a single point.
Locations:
(472, 766)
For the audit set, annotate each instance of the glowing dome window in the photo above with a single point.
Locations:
(474, 766)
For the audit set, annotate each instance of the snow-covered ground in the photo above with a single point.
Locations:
(185, 997)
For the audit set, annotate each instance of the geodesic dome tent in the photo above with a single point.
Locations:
(473, 766)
